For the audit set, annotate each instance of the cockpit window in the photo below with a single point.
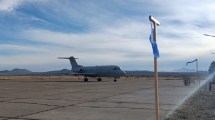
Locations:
(116, 68)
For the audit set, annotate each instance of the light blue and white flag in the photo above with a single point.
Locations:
(154, 44)
(191, 61)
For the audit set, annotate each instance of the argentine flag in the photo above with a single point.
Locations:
(154, 44)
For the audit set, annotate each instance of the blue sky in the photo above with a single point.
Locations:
(35, 32)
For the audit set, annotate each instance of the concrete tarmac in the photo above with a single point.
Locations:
(77, 100)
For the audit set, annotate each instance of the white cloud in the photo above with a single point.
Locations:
(115, 44)
(10, 5)
(10, 47)
(119, 34)
(118, 38)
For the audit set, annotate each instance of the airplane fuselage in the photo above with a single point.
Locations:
(100, 71)
(94, 71)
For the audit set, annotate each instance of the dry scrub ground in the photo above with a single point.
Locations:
(201, 106)
(57, 78)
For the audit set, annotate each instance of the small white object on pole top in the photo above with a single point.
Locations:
(152, 19)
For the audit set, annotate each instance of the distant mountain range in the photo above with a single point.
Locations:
(181, 72)
(15, 71)
(18, 71)
(184, 70)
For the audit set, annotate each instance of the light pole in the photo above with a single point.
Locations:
(209, 35)
(197, 65)
(213, 53)
(197, 69)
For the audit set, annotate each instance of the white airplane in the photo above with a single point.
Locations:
(95, 71)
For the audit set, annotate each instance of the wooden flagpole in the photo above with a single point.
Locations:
(155, 23)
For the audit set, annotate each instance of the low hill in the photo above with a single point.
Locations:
(15, 71)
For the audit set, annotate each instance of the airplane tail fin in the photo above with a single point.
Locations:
(72, 61)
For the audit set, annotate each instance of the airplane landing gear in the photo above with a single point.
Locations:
(85, 79)
(115, 80)
(99, 79)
